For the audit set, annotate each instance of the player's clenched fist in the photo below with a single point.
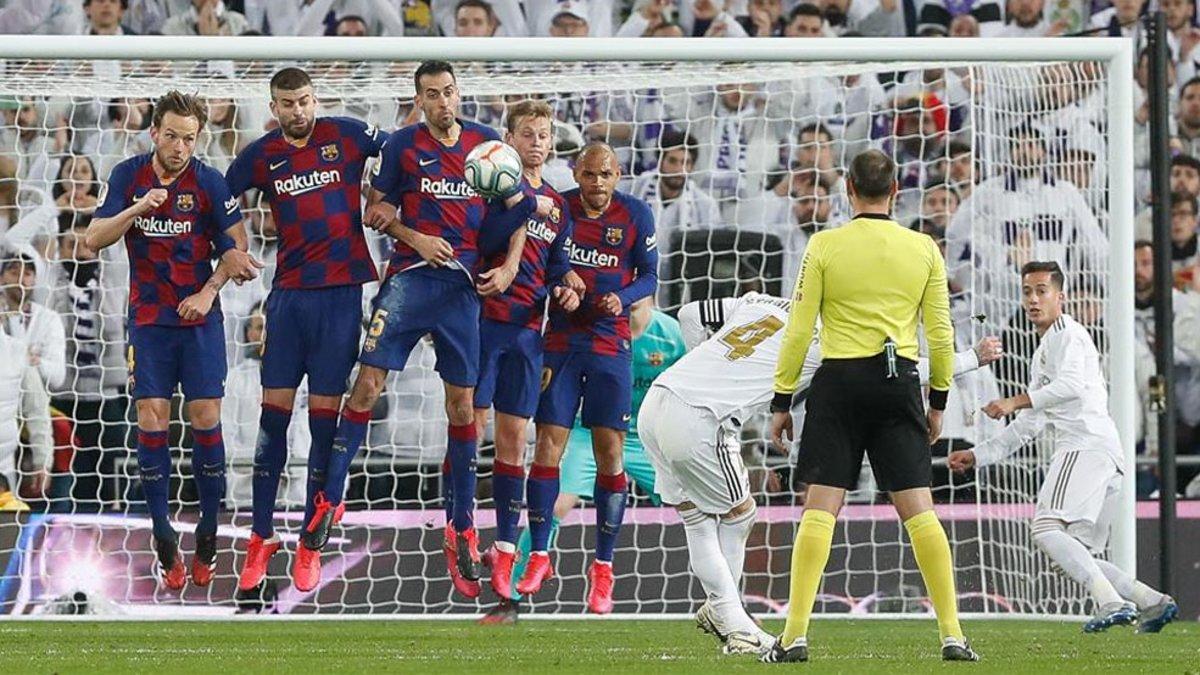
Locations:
(241, 265)
(197, 305)
(566, 297)
(989, 350)
(379, 216)
(151, 200)
(544, 206)
(433, 250)
(573, 281)
(611, 304)
(960, 461)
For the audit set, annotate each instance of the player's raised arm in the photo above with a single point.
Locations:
(117, 210)
(989, 350)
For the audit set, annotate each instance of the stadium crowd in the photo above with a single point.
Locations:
(739, 175)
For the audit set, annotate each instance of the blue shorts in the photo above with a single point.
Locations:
(413, 304)
(314, 332)
(578, 469)
(163, 358)
(510, 368)
(604, 383)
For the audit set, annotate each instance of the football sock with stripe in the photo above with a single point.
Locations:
(351, 432)
(508, 486)
(932, 551)
(322, 424)
(810, 553)
(269, 459)
(1129, 587)
(460, 450)
(611, 493)
(154, 465)
(708, 563)
(208, 470)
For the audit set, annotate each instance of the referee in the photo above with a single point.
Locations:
(871, 281)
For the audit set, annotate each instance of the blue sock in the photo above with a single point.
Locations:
(541, 491)
(351, 432)
(447, 491)
(322, 424)
(269, 459)
(611, 493)
(460, 450)
(525, 546)
(154, 464)
(208, 470)
(508, 485)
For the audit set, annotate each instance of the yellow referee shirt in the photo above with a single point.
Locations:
(870, 279)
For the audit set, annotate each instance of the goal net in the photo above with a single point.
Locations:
(1001, 163)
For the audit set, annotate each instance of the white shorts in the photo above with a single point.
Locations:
(1082, 489)
(697, 458)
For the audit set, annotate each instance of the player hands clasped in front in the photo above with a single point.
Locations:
(1081, 492)
(511, 336)
(310, 171)
(613, 248)
(689, 425)
(175, 213)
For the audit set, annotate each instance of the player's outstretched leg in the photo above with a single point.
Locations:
(154, 465)
(1073, 558)
(270, 456)
(1157, 609)
(208, 470)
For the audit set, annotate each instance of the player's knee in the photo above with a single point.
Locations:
(367, 388)
(205, 414)
(459, 411)
(1045, 530)
(153, 414)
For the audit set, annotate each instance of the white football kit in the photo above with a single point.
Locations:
(689, 419)
(1070, 399)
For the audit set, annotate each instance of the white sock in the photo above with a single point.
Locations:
(733, 534)
(1130, 588)
(709, 566)
(1075, 561)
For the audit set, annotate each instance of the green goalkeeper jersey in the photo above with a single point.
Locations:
(653, 352)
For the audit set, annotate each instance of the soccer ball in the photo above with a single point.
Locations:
(493, 169)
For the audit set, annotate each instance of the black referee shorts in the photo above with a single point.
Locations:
(853, 407)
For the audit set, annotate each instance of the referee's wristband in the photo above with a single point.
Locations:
(937, 399)
(781, 403)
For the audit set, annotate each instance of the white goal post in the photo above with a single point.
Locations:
(1115, 79)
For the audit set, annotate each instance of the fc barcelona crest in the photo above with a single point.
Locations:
(330, 152)
(185, 202)
(614, 235)
(656, 358)
(555, 215)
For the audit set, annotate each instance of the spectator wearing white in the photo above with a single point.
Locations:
(1183, 238)
(504, 16)
(207, 17)
(1027, 18)
(708, 18)
(1183, 34)
(961, 171)
(764, 18)
(939, 203)
(76, 188)
(793, 210)
(651, 18)
(105, 17)
(34, 139)
(1187, 118)
(940, 13)
(806, 20)
(1120, 20)
(869, 18)
(42, 17)
(964, 25)
(124, 133)
(239, 419)
(678, 203)
(1185, 178)
(573, 18)
(146, 17)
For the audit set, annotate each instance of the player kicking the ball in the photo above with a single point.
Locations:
(613, 248)
(175, 213)
(1080, 495)
(689, 424)
(310, 171)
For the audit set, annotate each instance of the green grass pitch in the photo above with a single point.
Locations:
(660, 647)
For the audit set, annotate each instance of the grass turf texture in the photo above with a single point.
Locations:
(568, 646)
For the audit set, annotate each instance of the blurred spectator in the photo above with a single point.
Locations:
(964, 25)
(105, 17)
(146, 17)
(42, 17)
(764, 18)
(869, 18)
(1183, 238)
(1072, 15)
(474, 18)
(1187, 118)
(962, 173)
(351, 25)
(505, 16)
(939, 202)
(570, 21)
(651, 18)
(1119, 20)
(125, 132)
(207, 17)
(225, 134)
(569, 18)
(240, 421)
(940, 13)
(1184, 35)
(805, 20)
(708, 18)
(677, 202)
(733, 141)
(1027, 18)
(76, 187)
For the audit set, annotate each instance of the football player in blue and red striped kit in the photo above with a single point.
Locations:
(429, 289)
(614, 249)
(310, 171)
(511, 334)
(175, 214)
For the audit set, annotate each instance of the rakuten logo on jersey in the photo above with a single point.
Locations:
(161, 227)
(590, 257)
(303, 183)
(540, 230)
(446, 189)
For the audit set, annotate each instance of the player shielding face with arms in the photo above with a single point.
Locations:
(1080, 496)
(310, 171)
(871, 282)
(175, 214)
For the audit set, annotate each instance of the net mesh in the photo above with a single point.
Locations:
(767, 147)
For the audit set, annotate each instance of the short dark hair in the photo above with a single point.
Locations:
(1190, 83)
(10, 258)
(184, 105)
(671, 139)
(72, 220)
(477, 4)
(1184, 198)
(814, 128)
(805, 9)
(349, 18)
(872, 174)
(432, 68)
(1186, 160)
(958, 147)
(290, 79)
(1034, 267)
(1143, 243)
(124, 3)
(1025, 131)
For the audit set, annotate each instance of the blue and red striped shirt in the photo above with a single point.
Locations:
(171, 248)
(315, 192)
(544, 261)
(424, 178)
(615, 253)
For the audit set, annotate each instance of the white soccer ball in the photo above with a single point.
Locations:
(493, 168)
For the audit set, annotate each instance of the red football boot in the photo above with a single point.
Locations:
(325, 515)
(204, 560)
(502, 567)
(600, 581)
(537, 571)
(306, 568)
(170, 568)
(258, 559)
(467, 588)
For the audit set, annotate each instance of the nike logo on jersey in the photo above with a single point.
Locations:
(426, 162)
(275, 165)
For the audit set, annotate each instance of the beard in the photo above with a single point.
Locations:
(295, 131)
(81, 272)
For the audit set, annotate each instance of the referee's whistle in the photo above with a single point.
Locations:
(889, 352)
